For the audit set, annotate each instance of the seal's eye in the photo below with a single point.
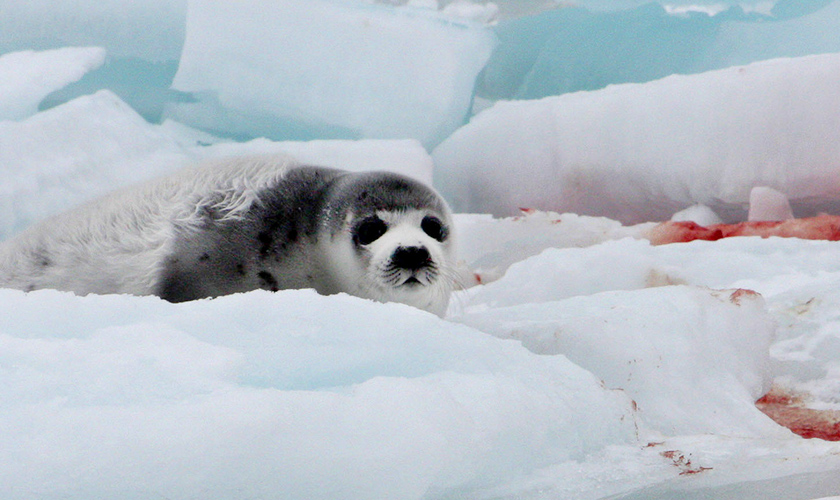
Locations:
(433, 227)
(369, 230)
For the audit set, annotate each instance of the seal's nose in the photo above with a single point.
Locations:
(411, 257)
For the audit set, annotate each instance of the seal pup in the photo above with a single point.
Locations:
(245, 223)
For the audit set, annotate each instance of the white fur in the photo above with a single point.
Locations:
(117, 244)
(367, 277)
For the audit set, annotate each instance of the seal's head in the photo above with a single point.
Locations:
(389, 238)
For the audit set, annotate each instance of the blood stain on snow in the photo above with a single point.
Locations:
(742, 293)
(682, 232)
(681, 462)
(787, 409)
(821, 227)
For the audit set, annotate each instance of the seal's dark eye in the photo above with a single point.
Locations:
(369, 230)
(433, 227)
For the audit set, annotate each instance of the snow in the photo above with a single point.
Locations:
(640, 152)
(63, 156)
(660, 361)
(768, 204)
(47, 71)
(261, 394)
(484, 13)
(580, 361)
(699, 214)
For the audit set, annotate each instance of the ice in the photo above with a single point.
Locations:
(741, 43)
(483, 13)
(260, 395)
(649, 354)
(152, 30)
(699, 214)
(640, 152)
(708, 6)
(581, 363)
(509, 9)
(572, 49)
(143, 40)
(66, 155)
(406, 156)
(304, 69)
(489, 246)
(27, 77)
(768, 204)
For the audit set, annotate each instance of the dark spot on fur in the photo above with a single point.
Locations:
(41, 258)
(292, 235)
(30, 288)
(204, 257)
(268, 281)
(266, 240)
(240, 269)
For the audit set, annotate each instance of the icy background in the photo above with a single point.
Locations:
(589, 364)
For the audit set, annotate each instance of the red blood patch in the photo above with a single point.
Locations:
(787, 409)
(821, 227)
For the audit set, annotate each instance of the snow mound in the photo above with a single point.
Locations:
(73, 152)
(640, 152)
(651, 343)
(397, 400)
(27, 77)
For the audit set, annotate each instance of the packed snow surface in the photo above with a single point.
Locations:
(570, 362)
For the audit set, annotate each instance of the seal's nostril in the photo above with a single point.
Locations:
(411, 257)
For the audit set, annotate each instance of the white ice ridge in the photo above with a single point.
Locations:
(640, 152)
